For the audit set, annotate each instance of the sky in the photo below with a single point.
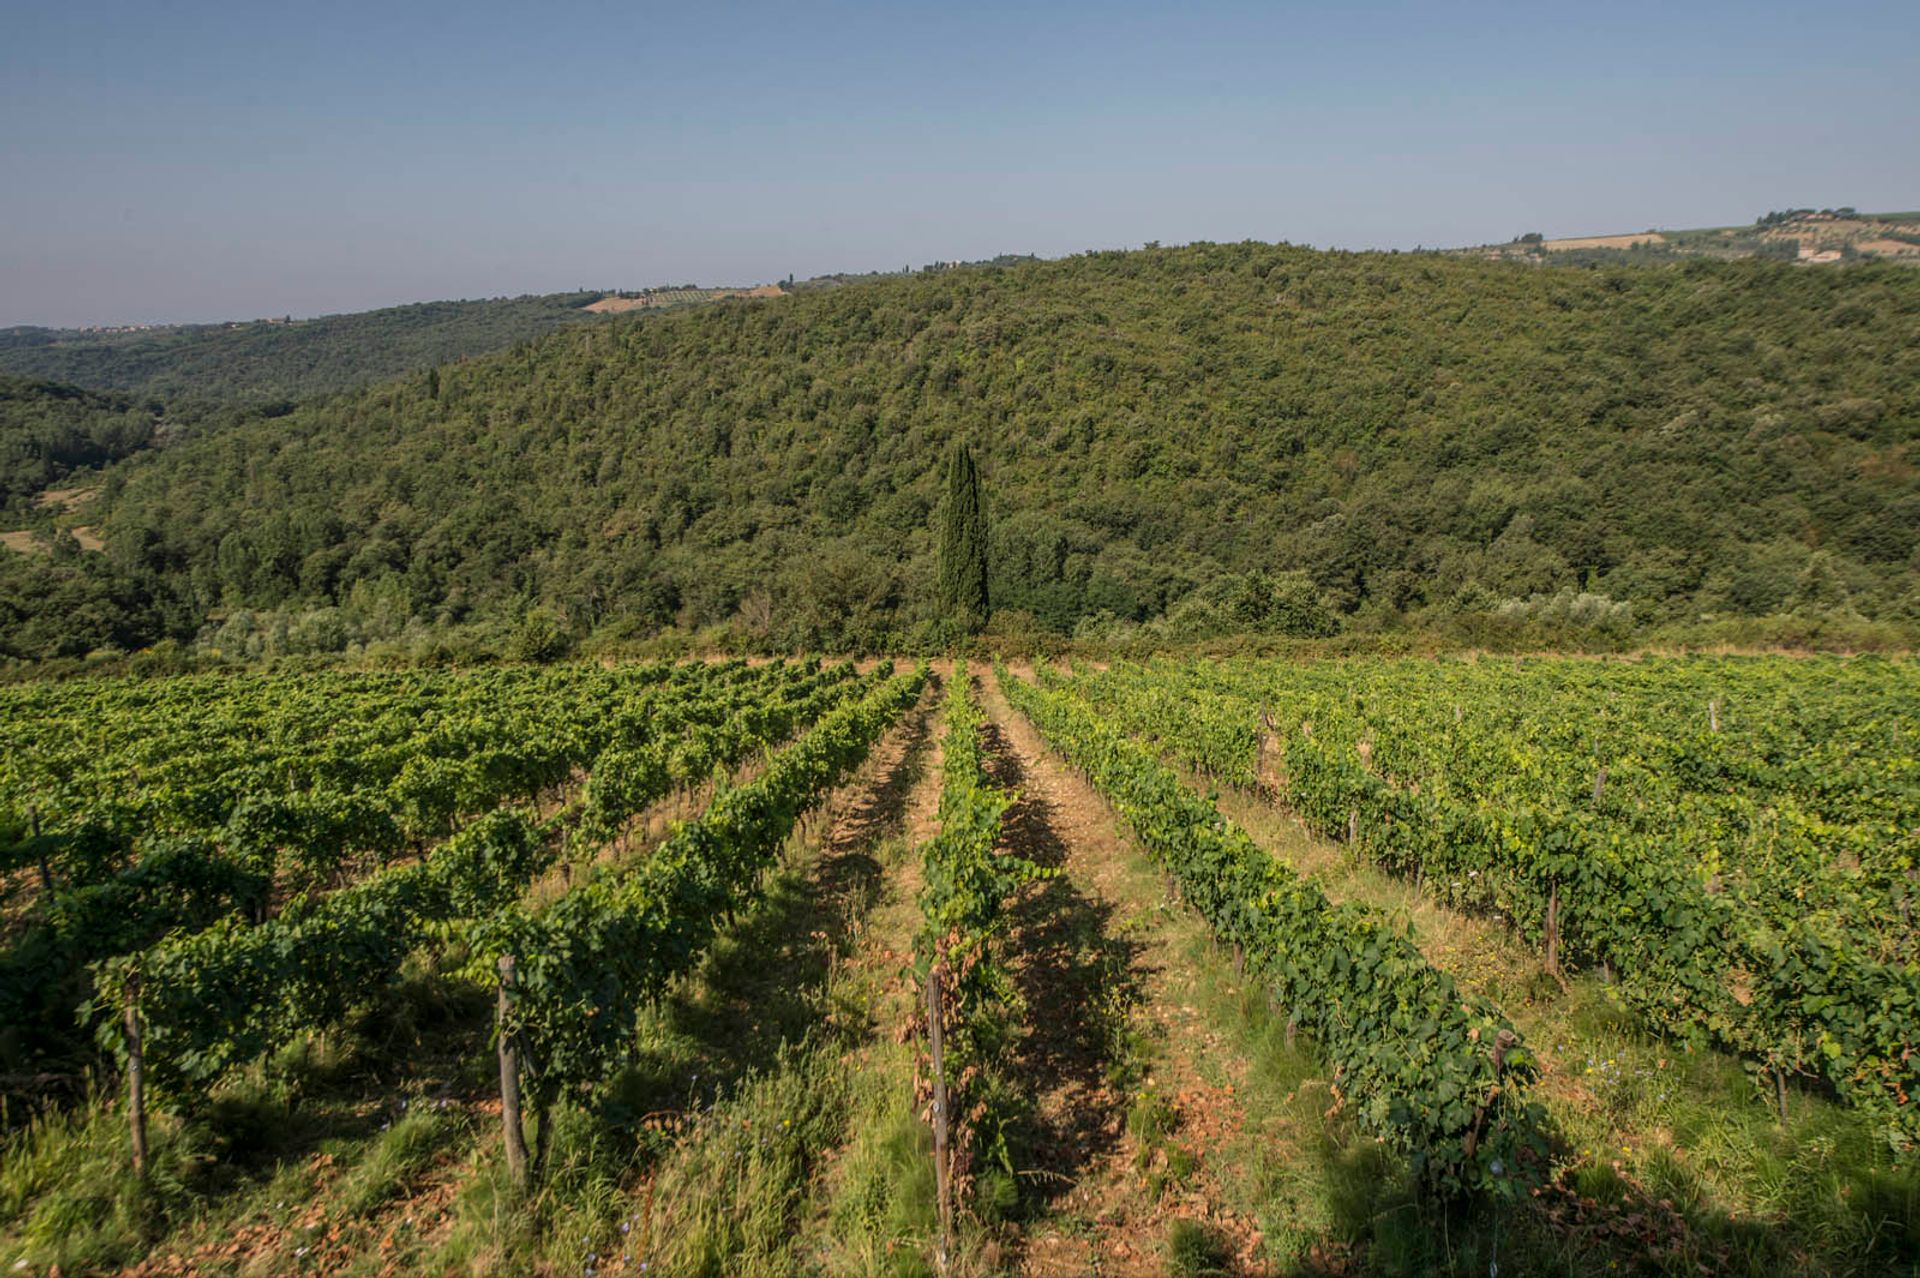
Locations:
(182, 161)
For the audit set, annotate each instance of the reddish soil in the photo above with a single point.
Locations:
(1083, 944)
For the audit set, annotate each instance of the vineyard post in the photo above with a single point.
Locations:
(1599, 783)
(1553, 928)
(136, 1077)
(942, 1172)
(510, 1119)
(1713, 714)
(1503, 1042)
(1269, 737)
(40, 850)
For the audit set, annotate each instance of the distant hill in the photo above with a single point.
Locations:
(264, 361)
(1174, 437)
(1808, 236)
(193, 367)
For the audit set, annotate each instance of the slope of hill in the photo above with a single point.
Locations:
(49, 431)
(279, 360)
(1417, 434)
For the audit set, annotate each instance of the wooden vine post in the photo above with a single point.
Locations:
(40, 850)
(136, 1077)
(1552, 959)
(942, 1169)
(1553, 928)
(511, 1122)
(1503, 1042)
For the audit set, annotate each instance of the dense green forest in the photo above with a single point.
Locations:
(1171, 443)
(48, 431)
(268, 361)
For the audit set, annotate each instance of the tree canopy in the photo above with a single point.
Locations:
(963, 545)
(1271, 436)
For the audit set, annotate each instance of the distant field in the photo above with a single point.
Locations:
(618, 303)
(1815, 238)
(1606, 241)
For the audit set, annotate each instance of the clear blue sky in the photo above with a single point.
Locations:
(191, 161)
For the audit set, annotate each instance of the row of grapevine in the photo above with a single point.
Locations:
(1438, 1075)
(224, 996)
(185, 1012)
(1724, 911)
(576, 974)
(708, 717)
(970, 996)
(628, 777)
(1797, 992)
(373, 786)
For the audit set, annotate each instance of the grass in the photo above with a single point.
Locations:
(67, 1199)
(1194, 1251)
(882, 1216)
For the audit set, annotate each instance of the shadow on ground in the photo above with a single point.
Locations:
(1079, 982)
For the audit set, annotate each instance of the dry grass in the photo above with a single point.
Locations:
(64, 498)
(1604, 241)
(660, 301)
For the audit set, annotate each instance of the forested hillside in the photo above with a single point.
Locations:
(268, 361)
(1204, 439)
(48, 431)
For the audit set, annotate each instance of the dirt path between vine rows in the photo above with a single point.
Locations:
(1110, 1031)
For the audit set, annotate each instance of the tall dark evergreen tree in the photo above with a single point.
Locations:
(963, 544)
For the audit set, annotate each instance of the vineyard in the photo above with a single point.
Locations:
(1178, 967)
(1736, 847)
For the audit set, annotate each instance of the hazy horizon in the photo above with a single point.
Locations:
(211, 162)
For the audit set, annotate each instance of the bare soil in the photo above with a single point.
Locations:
(1096, 953)
(1605, 241)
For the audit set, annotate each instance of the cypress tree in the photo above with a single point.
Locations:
(963, 544)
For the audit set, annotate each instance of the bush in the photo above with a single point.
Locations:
(543, 635)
